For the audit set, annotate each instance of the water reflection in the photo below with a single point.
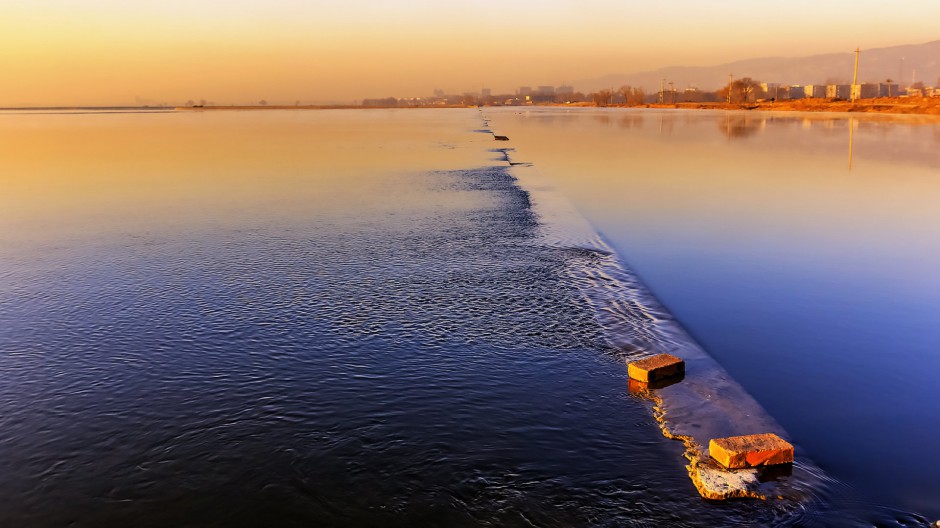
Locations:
(739, 126)
(851, 140)
(667, 123)
(603, 119)
(821, 133)
(631, 121)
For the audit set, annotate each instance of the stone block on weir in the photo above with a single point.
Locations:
(656, 368)
(750, 450)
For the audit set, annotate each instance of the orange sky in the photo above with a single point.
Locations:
(112, 51)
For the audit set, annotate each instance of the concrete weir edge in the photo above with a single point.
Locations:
(707, 403)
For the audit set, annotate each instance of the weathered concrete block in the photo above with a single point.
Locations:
(656, 368)
(717, 483)
(750, 450)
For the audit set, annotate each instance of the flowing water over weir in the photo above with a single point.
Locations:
(333, 319)
(707, 403)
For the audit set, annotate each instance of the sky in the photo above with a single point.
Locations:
(99, 52)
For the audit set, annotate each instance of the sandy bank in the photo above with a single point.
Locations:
(303, 107)
(885, 105)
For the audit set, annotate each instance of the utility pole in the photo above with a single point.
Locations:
(672, 91)
(855, 79)
(662, 91)
(730, 84)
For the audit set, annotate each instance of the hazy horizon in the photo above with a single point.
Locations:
(109, 52)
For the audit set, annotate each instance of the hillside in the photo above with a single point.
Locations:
(878, 64)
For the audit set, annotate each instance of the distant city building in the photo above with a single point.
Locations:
(888, 90)
(781, 92)
(545, 90)
(525, 90)
(486, 92)
(814, 91)
(693, 95)
(438, 92)
(564, 89)
(865, 91)
(797, 91)
(838, 91)
(771, 90)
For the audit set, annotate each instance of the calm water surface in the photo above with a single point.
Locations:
(812, 277)
(336, 318)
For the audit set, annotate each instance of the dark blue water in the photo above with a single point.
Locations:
(309, 319)
(802, 251)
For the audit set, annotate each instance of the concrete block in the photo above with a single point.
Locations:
(656, 368)
(750, 450)
(717, 483)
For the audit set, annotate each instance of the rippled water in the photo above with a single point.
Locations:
(336, 318)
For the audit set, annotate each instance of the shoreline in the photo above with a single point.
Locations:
(882, 105)
(925, 106)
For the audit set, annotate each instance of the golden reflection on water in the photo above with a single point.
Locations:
(851, 140)
(759, 180)
(67, 176)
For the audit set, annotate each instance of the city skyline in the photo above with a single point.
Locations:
(108, 52)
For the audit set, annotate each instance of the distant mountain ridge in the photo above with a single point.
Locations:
(875, 65)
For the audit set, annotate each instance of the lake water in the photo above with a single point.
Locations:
(361, 318)
(814, 282)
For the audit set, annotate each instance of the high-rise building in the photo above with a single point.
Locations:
(865, 91)
(838, 91)
(545, 90)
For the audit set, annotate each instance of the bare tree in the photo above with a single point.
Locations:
(602, 97)
(631, 96)
(743, 90)
(263, 102)
(625, 91)
(636, 98)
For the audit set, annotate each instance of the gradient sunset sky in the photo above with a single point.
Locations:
(93, 52)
